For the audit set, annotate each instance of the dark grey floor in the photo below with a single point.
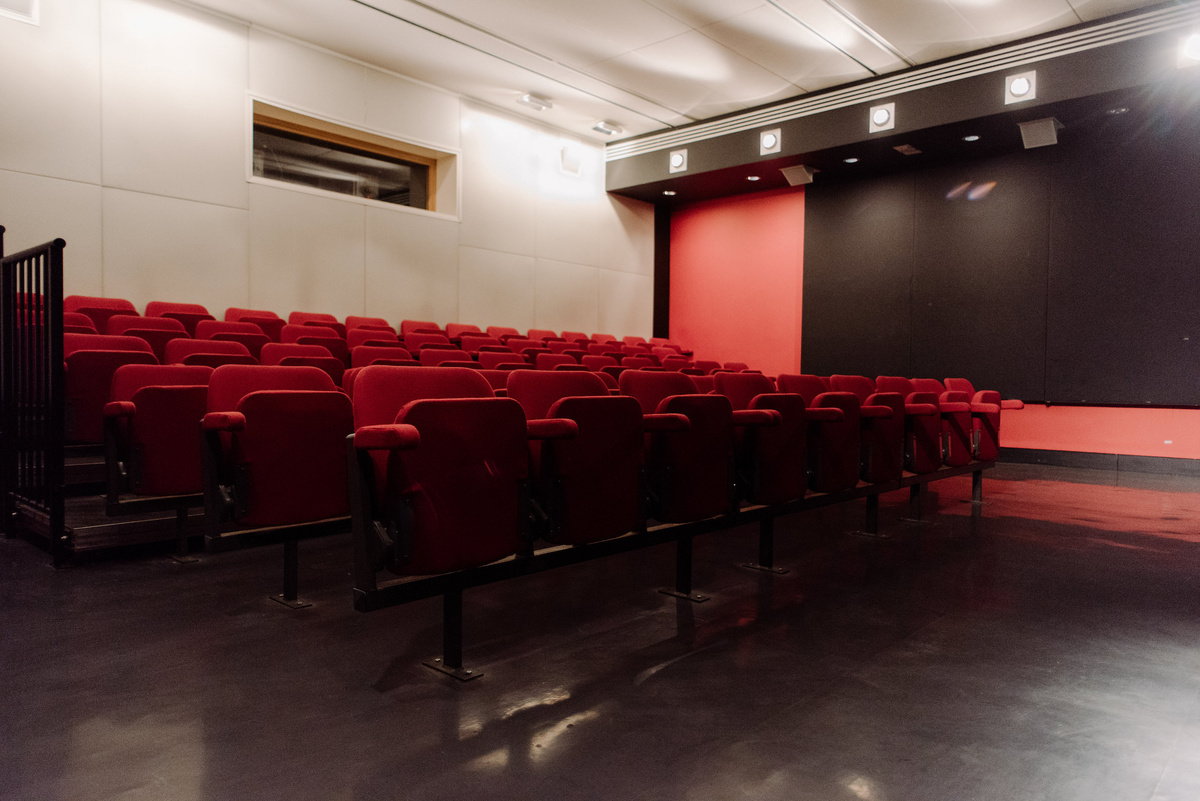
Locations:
(1052, 654)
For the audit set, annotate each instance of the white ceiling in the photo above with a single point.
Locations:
(646, 65)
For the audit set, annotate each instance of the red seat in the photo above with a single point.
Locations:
(432, 357)
(416, 340)
(542, 334)
(501, 332)
(419, 327)
(588, 485)
(153, 428)
(208, 352)
(955, 408)
(187, 313)
(833, 434)
(98, 309)
(473, 343)
(490, 360)
(603, 338)
(986, 406)
(690, 471)
(882, 455)
(634, 340)
(246, 333)
(598, 363)
(317, 335)
(549, 361)
(771, 458)
(157, 331)
(356, 321)
(456, 330)
(922, 424)
(366, 336)
(576, 337)
(295, 354)
(450, 464)
(268, 322)
(318, 319)
(363, 355)
(277, 439)
(90, 361)
(78, 323)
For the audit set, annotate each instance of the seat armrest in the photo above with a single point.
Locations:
(954, 407)
(921, 409)
(881, 412)
(120, 409)
(224, 421)
(552, 428)
(668, 421)
(757, 417)
(390, 437)
(985, 408)
(1012, 404)
(824, 414)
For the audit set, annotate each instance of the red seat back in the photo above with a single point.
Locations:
(187, 313)
(99, 310)
(87, 384)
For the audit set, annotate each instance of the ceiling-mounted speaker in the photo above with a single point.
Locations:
(798, 175)
(1039, 133)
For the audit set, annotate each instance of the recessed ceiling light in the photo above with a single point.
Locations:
(971, 138)
(535, 101)
(851, 160)
(669, 192)
(1117, 111)
(1020, 87)
(607, 128)
(752, 178)
(770, 141)
(1189, 51)
(882, 118)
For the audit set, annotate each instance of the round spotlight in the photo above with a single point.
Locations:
(1019, 87)
(676, 160)
(669, 192)
(752, 178)
(881, 116)
(1191, 47)
(971, 138)
(769, 141)
(851, 160)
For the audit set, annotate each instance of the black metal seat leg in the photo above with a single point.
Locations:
(450, 661)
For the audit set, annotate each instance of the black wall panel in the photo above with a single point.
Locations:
(858, 245)
(979, 273)
(1124, 322)
(1075, 280)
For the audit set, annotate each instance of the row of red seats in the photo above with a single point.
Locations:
(255, 327)
(785, 439)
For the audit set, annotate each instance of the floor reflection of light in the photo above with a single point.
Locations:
(545, 738)
(99, 746)
(864, 788)
(548, 698)
(491, 761)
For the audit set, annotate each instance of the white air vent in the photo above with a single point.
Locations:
(23, 10)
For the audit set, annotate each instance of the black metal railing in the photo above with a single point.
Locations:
(31, 392)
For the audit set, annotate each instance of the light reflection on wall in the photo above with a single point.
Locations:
(971, 190)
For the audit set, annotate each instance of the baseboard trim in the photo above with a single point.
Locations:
(1103, 461)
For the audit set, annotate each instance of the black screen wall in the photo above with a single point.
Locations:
(1074, 279)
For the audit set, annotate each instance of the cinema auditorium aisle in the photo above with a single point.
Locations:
(1053, 653)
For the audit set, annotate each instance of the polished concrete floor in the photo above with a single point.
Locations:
(1051, 652)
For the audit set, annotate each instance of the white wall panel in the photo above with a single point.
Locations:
(495, 288)
(50, 92)
(627, 236)
(174, 109)
(410, 111)
(625, 304)
(306, 252)
(35, 210)
(307, 79)
(566, 296)
(158, 248)
(571, 207)
(411, 267)
(499, 179)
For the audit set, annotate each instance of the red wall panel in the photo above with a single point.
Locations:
(737, 272)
